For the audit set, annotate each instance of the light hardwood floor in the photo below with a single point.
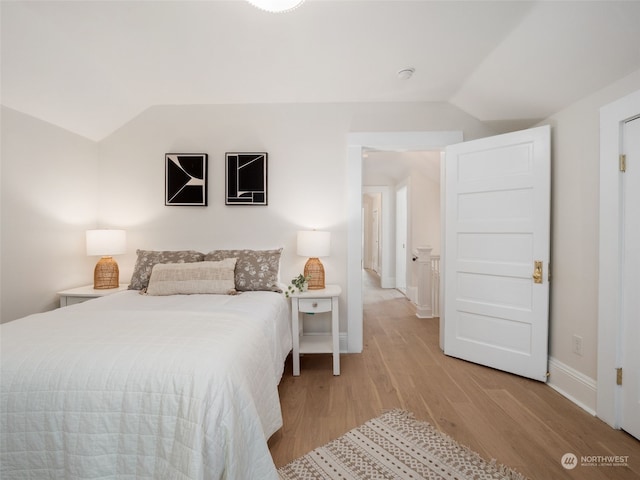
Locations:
(519, 422)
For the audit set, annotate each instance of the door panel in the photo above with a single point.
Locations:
(497, 218)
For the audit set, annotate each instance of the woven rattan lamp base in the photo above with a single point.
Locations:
(314, 270)
(106, 274)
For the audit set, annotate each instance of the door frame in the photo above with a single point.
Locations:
(402, 220)
(609, 400)
(357, 143)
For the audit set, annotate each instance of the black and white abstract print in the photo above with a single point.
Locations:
(246, 178)
(186, 179)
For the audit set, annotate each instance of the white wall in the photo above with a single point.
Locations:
(305, 178)
(425, 217)
(307, 174)
(575, 232)
(49, 198)
(425, 201)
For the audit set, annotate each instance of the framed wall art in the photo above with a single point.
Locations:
(246, 178)
(186, 179)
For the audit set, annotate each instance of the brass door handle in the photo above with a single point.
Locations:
(537, 271)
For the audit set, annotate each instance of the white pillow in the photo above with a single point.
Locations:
(192, 278)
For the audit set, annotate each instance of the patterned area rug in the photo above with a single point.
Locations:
(394, 446)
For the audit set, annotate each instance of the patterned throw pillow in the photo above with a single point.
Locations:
(148, 258)
(193, 278)
(255, 269)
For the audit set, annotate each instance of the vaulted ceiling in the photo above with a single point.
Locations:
(91, 66)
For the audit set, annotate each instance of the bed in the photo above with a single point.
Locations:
(145, 386)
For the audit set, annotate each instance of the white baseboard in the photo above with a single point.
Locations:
(574, 385)
(412, 294)
(388, 282)
(424, 312)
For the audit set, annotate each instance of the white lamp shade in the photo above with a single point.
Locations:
(276, 5)
(106, 242)
(312, 243)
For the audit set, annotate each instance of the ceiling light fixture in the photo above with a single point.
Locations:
(406, 73)
(276, 6)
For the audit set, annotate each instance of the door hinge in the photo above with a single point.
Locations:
(623, 163)
(549, 272)
(619, 376)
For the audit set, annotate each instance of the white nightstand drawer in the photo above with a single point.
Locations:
(314, 305)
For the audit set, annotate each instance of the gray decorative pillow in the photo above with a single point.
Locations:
(148, 258)
(193, 278)
(255, 269)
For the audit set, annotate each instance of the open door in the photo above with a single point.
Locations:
(630, 263)
(497, 232)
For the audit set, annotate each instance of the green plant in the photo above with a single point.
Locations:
(298, 283)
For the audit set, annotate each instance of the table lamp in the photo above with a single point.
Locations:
(314, 244)
(106, 243)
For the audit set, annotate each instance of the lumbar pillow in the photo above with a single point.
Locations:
(193, 278)
(148, 258)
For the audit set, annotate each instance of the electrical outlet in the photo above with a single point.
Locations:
(577, 345)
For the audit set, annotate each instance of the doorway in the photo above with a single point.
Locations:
(371, 231)
(630, 408)
(357, 145)
(533, 184)
(378, 197)
(613, 327)
(409, 183)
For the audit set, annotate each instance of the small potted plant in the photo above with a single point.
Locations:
(299, 283)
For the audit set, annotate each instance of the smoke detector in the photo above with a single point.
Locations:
(406, 73)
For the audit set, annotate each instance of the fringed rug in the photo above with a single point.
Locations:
(395, 446)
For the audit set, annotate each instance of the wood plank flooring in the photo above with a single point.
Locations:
(519, 422)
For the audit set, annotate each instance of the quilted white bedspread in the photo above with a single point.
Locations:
(132, 386)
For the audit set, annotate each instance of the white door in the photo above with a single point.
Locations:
(497, 217)
(631, 280)
(401, 238)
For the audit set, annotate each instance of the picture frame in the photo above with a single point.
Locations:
(186, 179)
(246, 178)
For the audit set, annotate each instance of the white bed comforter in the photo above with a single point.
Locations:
(132, 386)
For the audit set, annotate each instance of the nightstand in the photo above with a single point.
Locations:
(311, 302)
(82, 294)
